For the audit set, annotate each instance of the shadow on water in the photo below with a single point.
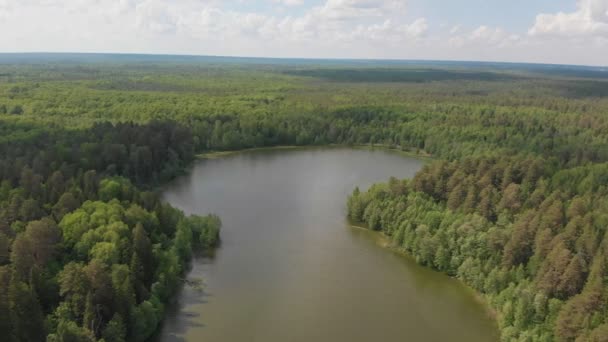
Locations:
(422, 279)
(188, 320)
(185, 296)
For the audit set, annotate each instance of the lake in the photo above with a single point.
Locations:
(290, 268)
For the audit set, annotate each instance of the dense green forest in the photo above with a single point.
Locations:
(517, 208)
(514, 205)
(84, 253)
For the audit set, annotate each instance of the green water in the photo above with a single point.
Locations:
(291, 269)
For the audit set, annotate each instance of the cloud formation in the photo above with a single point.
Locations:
(296, 28)
(589, 20)
(290, 2)
(490, 37)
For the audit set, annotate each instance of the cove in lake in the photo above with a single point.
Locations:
(290, 268)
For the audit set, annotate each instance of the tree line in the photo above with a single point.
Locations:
(528, 235)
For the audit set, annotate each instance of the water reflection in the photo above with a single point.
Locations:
(291, 269)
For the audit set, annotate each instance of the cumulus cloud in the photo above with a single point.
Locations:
(289, 2)
(293, 28)
(156, 16)
(589, 20)
(388, 31)
(331, 22)
(491, 37)
(356, 9)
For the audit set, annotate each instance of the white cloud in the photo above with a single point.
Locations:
(356, 9)
(332, 22)
(390, 32)
(331, 28)
(289, 2)
(156, 16)
(589, 20)
(483, 36)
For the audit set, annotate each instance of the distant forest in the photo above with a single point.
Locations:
(515, 203)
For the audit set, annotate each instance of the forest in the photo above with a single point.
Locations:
(514, 203)
(86, 252)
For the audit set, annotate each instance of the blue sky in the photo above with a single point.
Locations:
(516, 15)
(551, 31)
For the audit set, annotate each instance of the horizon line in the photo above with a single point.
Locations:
(304, 58)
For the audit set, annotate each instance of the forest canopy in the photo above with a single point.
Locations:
(514, 204)
(85, 253)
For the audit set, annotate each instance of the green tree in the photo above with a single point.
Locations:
(115, 331)
(44, 236)
(71, 332)
(25, 311)
(16, 110)
(74, 286)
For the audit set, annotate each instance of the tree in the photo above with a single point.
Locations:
(553, 217)
(66, 204)
(25, 311)
(44, 235)
(456, 198)
(572, 280)
(576, 312)
(90, 320)
(144, 321)
(99, 300)
(30, 210)
(4, 249)
(486, 203)
(135, 214)
(90, 184)
(22, 257)
(6, 326)
(115, 331)
(16, 110)
(470, 202)
(142, 250)
(599, 334)
(74, 287)
(355, 207)
(519, 247)
(105, 252)
(71, 332)
(510, 198)
(109, 189)
(124, 296)
(576, 208)
(55, 186)
(553, 268)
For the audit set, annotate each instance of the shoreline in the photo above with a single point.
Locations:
(384, 241)
(406, 153)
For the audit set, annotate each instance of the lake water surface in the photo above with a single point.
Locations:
(291, 269)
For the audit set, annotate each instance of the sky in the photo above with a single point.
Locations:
(539, 31)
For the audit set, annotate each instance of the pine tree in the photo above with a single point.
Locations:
(456, 197)
(25, 311)
(573, 278)
(142, 248)
(6, 326)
